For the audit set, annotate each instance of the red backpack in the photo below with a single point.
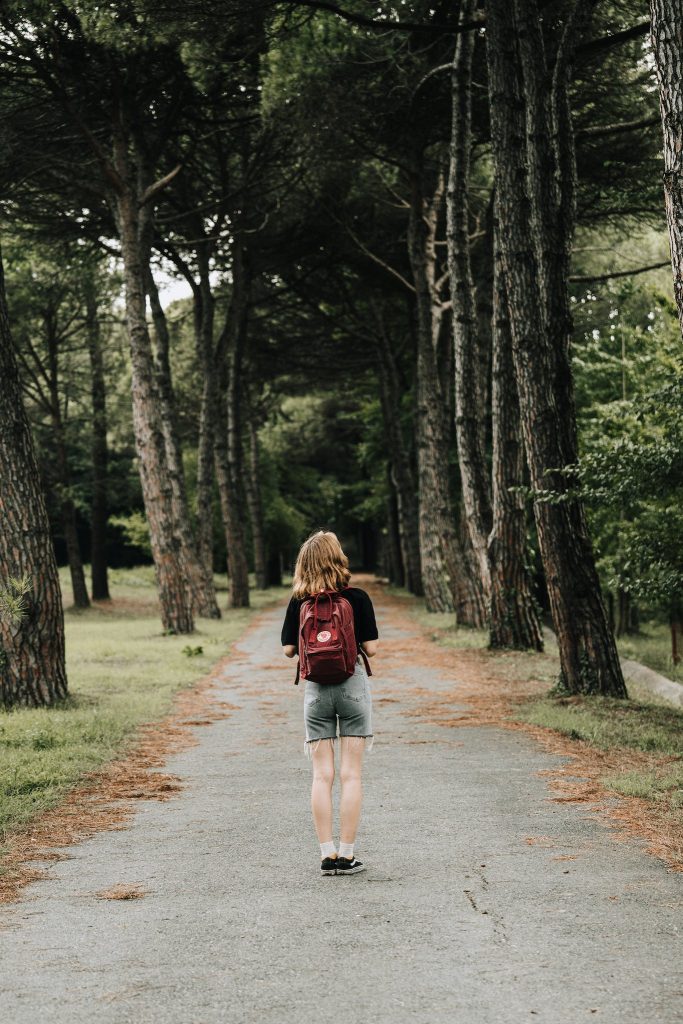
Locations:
(327, 640)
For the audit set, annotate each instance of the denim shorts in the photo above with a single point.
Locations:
(349, 702)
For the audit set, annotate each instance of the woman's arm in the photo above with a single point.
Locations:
(289, 650)
(370, 647)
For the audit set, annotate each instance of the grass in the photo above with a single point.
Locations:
(122, 673)
(640, 724)
(652, 647)
(607, 723)
(645, 723)
(442, 625)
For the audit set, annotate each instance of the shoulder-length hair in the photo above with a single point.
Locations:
(321, 565)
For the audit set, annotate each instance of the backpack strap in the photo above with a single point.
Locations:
(365, 660)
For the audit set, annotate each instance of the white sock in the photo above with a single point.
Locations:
(346, 850)
(327, 850)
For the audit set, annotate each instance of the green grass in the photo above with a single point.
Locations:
(652, 647)
(442, 625)
(641, 723)
(122, 673)
(607, 723)
(664, 788)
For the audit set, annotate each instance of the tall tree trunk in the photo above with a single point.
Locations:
(227, 440)
(514, 613)
(628, 614)
(32, 667)
(401, 470)
(667, 46)
(438, 557)
(176, 604)
(470, 605)
(67, 507)
(98, 507)
(68, 514)
(468, 407)
(238, 570)
(199, 579)
(482, 272)
(392, 540)
(252, 483)
(532, 147)
(274, 568)
(204, 328)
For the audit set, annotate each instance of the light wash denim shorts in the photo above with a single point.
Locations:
(349, 702)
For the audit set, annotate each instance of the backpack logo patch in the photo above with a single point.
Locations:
(324, 636)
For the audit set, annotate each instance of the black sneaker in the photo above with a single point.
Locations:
(348, 867)
(328, 865)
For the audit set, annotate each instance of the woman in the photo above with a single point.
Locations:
(323, 566)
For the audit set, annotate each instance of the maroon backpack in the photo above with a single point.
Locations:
(327, 640)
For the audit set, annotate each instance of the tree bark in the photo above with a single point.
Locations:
(401, 469)
(204, 329)
(514, 612)
(438, 545)
(176, 605)
(274, 568)
(252, 483)
(468, 399)
(470, 605)
(667, 46)
(67, 507)
(227, 439)
(482, 272)
(392, 540)
(199, 578)
(531, 145)
(32, 667)
(98, 507)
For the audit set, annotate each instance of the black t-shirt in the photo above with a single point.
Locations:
(364, 623)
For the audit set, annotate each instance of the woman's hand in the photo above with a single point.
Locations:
(370, 647)
(289, 650)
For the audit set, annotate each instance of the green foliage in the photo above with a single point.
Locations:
(651, 646)
(135, 529)
(312, 452)
(12, 599)
(637, 484)
(192, 652)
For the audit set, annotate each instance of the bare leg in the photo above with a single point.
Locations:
(322, 756)
(351, 792)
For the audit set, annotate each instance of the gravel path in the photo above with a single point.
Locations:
(458, 917)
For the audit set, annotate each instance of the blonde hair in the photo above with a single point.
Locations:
(320, 565)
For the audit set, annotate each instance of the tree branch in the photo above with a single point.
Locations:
(380, 262)
(592, 278)
(615, 129)
(159, 185)
(383, 26)
(616, 39)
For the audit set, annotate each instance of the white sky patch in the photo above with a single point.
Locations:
(171, 289)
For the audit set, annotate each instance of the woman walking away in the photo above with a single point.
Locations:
(332, 628)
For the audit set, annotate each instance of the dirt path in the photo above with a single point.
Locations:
(485, 901)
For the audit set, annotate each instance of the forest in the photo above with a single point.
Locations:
(409, 271)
